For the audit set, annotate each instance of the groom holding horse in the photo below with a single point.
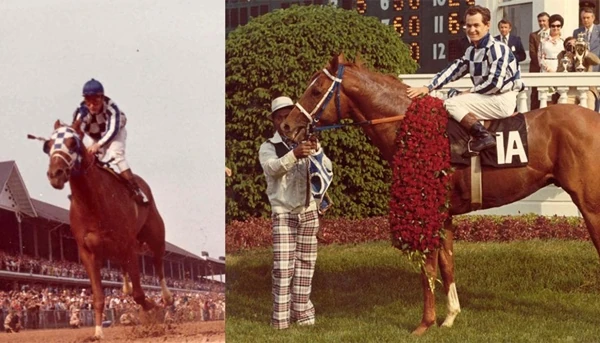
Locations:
(496, 78)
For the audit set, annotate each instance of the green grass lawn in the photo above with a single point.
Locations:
(533, 291)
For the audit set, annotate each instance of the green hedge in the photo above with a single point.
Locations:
(276, 54)
(257, 232)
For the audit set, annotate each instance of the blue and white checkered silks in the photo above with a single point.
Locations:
(59, 136)
(492, 66)
(320, 179)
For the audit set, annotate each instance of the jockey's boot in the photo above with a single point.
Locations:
(139, 196)
(483, 139)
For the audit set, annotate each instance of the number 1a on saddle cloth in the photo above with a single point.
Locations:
(511, 143)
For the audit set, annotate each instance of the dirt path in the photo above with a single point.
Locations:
(196, 332)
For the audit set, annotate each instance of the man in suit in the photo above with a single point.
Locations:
(513, 42)
(591, 32)
(534, 45)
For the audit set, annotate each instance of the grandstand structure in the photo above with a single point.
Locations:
(39, 230)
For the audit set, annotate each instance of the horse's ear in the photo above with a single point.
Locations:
(77, 127)
(341, 58)
(333, 64)
(57, 124)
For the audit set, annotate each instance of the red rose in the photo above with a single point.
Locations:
(421, 175)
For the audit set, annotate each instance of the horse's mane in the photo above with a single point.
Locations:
(387, 92)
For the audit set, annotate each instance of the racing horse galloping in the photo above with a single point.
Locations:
(105, 220)
(562, 139)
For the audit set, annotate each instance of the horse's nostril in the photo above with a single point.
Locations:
(286, 127)
(55, 173)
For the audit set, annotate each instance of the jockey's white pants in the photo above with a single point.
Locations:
(483, 106)
(116, 150)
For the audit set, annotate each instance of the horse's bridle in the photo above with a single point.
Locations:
(315, 115)
(73, 156)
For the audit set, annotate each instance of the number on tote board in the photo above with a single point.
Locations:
(439, 51)
(385, 4)
(438, 24)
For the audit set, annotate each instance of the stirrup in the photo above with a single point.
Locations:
(141, 196)
(138, 195)
(469, 152)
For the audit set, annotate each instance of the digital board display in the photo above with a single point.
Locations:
(431, 28)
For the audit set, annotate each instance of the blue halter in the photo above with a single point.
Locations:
(315, 116)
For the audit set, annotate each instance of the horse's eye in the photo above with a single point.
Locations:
(70, 143)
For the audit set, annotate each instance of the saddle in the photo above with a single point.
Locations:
(511, 143)
(107, 168)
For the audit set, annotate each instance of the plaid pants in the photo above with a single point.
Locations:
(294, 259)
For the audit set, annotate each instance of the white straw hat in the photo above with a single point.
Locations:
(281, 102)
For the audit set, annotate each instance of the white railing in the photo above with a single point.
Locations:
(570, 87)
(550, 200)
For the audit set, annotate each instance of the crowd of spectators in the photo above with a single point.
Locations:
(66, 269)
(39, 306)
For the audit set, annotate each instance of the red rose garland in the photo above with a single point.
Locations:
(421, 170)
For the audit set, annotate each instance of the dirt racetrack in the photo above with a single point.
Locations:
(191, 332)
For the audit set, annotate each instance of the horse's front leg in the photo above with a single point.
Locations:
(446, 260)
(92, 264)
(428, 276)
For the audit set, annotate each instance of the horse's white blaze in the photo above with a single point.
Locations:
(99, 332)
(453, 306)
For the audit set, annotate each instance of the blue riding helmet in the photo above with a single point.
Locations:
(92, 87)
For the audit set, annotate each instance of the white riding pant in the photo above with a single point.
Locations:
(483, 106)
(116, 150)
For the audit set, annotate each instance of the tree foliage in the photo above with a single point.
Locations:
(276, 54)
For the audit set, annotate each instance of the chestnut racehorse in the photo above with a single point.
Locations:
(563, 144)
(105, 220)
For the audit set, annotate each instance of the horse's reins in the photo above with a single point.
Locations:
(315, 116)
(360, 123)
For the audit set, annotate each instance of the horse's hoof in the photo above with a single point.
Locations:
(420, 330)
(450, 320)
(168, 301)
